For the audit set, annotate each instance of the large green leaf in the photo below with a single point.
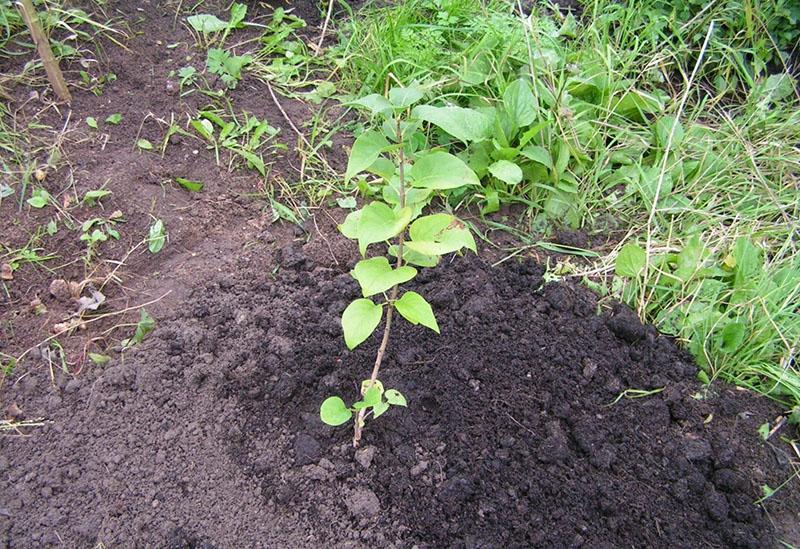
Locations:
(377, 104)
(634, 103)
(464, 124)
(519, 102)
(538, 154)
(376, 275)
(416, 310)
(439, 234)
(366, 150)
(506, 171)
(630, 261)
(415, 258)
(377, 222)
(349, 226)
(404, 97)
(359, 320)
(441, 171)
(334, 411)
(206, 23)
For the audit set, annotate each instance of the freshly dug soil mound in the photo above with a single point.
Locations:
(207, 434)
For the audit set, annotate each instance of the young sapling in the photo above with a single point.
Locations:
(408, 179)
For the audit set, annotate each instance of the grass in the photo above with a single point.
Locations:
(680, 137)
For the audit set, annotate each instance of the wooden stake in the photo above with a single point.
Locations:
(43, 45)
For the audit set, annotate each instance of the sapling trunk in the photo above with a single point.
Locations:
(359, 423)
(49, 61)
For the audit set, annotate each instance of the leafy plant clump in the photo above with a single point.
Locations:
(408, 178)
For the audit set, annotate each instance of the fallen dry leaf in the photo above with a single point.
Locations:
(91, 303)
(68, 326)
(6, 272)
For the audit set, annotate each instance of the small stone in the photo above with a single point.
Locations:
(6, 272)
(60, 290)
(363, 502)
(419, 468)
(364, 456)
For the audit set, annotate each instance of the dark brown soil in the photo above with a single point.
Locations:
(207, 435)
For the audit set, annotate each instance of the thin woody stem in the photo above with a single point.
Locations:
(359, 426)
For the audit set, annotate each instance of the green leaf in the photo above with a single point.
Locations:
(226, 66)
(379, 409)
(520, 103)
(98, 358)
(377, 104)
(378, 222)
(373, 395)
(334, 411)
(366, 384)
(157, 237)
(634, 103)
(205, 128)
(416, 310)
(39, 199)
(732, 336)
(206, 23)
(415, 258)
(359, 320)
(366, 150)
(144, 144)
(346, 202)
(404, 97)
(538, 154)
(91, 122)
(441, 171)
(630, 261)
(464, 124)
(349, 227)
(191, 186)
(439, 234)
(92, 196)
(376, 275)
(114, 119)
(395, 397)
(663, 127)
(145, 325)
(690, 259)
(763, 430)
(238, 13)
(506, 171)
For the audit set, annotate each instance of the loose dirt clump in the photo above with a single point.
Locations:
(208, 434)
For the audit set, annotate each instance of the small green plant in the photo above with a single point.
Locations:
(96, 230)
(210, 29)
(227, 66)
(408, 179)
